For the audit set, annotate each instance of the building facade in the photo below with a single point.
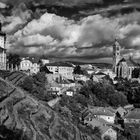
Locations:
(123, 67)
(2, 50)
(64, 69)
(29, 65)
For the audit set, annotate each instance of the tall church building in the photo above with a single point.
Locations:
(2, 50)
(123, 67)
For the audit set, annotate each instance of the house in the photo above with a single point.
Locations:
(106, 130)
(123, 67)
(45, 61)
(121, 111)
(29, 64)
(70, 92)
(78, 77)
(107, 114)
(2, 50)
(55, 88)
(64, 69)
(89, 68)
(67, 83)
(97, 77)
(133, 117)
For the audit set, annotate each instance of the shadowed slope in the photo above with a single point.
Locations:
(37, 121)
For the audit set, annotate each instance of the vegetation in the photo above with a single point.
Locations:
(36, 86)
(13, 60)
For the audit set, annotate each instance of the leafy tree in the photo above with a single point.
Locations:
(40, 79)
(136, 73)
(78, 70)
(27, 84)
(44, 68)
(13, 59)
(118, 99)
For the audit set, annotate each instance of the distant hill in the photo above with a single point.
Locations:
(99, 65)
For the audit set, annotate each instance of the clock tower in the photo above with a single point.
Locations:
(116, 54)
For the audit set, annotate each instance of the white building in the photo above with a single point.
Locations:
(64, 69)
(45, 61)
(2, 50)
(104, 113)
(29, 64)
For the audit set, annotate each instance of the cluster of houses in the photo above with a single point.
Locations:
(105, 119)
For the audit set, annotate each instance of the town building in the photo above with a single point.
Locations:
(2, 50)
(29, 65)
(106, 130)
(105, 113)
(123, 67)
(45, 61)
(64, 69)
(133, 117)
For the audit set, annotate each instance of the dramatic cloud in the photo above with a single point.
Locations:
(19, 17)
(56, 36)
(3, 5)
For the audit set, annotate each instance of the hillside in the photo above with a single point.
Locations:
(36, 121)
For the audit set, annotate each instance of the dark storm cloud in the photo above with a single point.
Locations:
(34, 30)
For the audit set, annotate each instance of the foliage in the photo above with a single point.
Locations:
(7, 134)
(44, 68)
(27, 84)
(14, 59)
(118, 99)
(136, 73)
(36, 85)
(78, 70)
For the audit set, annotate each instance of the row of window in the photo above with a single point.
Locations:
(63, 68)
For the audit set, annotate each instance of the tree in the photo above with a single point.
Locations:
(14, 59)
(118, 99)
(27, 84)
(40, 79)
(77, 70)
(44, 68)
(136, 73)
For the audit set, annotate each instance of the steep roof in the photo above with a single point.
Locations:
(101, 111)
(130, 62)
(134, 114)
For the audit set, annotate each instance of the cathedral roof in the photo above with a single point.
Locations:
(130, 62)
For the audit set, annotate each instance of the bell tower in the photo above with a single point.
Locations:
(116, 54)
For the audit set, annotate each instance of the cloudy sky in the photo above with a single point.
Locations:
(80, 30)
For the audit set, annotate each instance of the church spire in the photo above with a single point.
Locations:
(116, 53)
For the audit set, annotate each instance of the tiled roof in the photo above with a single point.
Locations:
(101, 111)
(134, 114)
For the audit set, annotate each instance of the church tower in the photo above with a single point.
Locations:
(116, 54)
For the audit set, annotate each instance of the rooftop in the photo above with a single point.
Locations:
(134, 114)
(102, 111)
(130, 62)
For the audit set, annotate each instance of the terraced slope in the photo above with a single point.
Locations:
(37, 120)
(14, 77)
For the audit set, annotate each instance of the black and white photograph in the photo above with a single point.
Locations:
(69, 69)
